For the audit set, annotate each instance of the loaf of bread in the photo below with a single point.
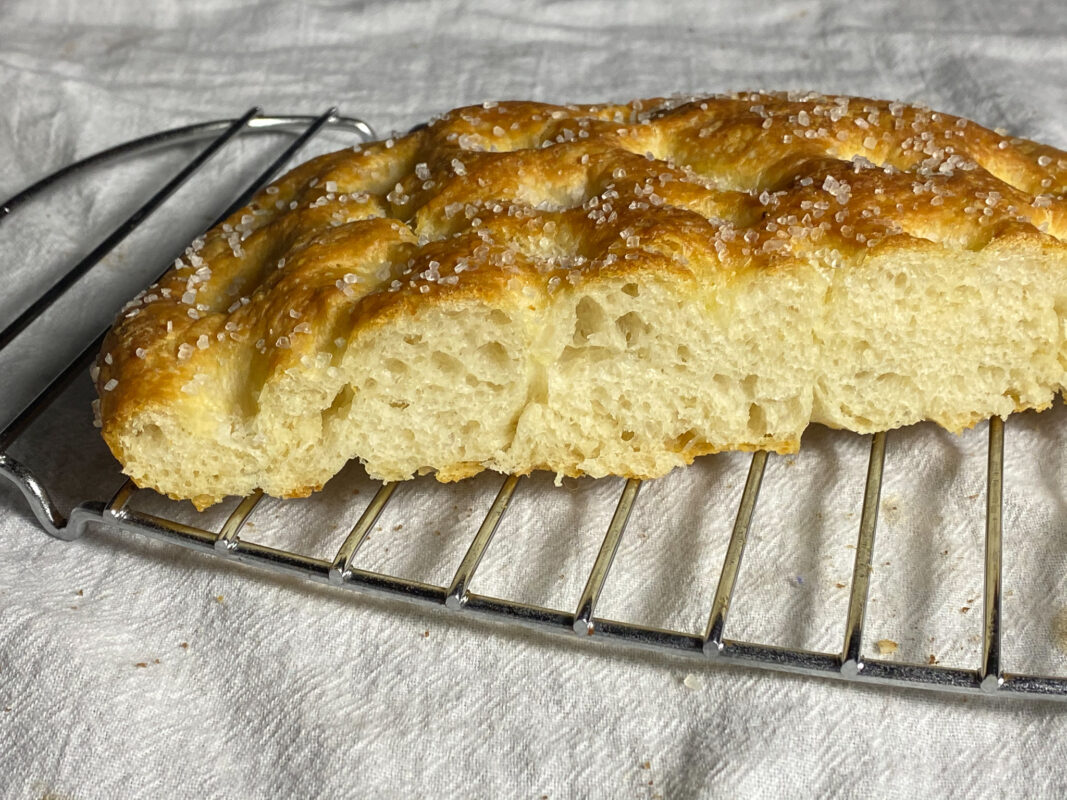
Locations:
(598, 290)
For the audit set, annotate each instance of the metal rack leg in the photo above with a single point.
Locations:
(457, 591)
(851, 656)
(41, 503)
(122, 497)
(342, 562)
(731, 565)
(227, 538)
(989, 674)
(583, 617)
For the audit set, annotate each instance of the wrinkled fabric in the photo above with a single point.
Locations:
(133, 668)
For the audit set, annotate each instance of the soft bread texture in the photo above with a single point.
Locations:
(597, 290)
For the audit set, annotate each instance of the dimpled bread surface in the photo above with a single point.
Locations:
(598, 290)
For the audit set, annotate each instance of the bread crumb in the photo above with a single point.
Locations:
(886, 646)
(219, 598)
(891, 510)
(693, 682)
(184, 645)
(141, 665)
(1058, 630)
(964, 609)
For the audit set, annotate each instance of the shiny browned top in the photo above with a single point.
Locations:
(515, 201)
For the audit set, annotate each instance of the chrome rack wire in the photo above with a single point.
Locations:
(850, 662)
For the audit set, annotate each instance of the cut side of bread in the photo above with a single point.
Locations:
(598, 290)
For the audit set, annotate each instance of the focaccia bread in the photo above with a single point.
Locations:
(610, 289)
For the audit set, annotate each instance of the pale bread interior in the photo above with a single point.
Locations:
(636, 378)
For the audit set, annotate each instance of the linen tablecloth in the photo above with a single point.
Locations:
(132, 669)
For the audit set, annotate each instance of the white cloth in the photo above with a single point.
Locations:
(130, 668)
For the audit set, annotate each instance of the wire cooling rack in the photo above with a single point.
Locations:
(849, 662)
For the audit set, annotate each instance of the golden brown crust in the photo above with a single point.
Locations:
(486, 200)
